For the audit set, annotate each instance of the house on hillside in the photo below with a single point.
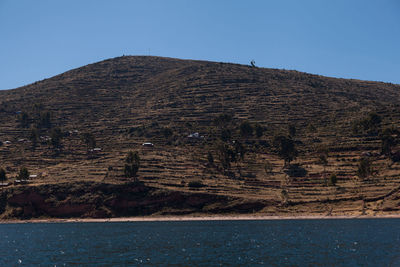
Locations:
(147, 144)
(194, 136)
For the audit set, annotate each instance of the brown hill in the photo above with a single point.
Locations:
(126, 101)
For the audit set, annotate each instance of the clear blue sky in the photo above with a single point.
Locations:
(342, 38)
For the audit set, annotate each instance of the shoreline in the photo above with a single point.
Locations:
(199, 218)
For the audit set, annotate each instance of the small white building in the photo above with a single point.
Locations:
(147, 144)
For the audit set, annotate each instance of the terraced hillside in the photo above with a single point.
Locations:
(127, 101)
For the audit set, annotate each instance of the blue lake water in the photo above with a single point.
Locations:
(336, 242)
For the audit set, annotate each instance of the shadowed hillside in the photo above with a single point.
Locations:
(240, 114)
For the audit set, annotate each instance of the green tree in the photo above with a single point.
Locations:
(23, 174)
(364, 168)
(3, 175)
(210, 158)
(44, 120)
(268, 167)
(286, 148)
(387, 141)
(34, 137)
(371, 124)
(226, 155)
(240, 150)
(323, 160)
(132, 165)
(23, 119)
(222, 120)
(226, 134)
(333, 179)
(259, 130)
(167, 132)
(292, 130)
(89, 140)
(246, 130)
(56, 137)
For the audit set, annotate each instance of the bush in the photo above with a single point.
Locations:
(196, 184)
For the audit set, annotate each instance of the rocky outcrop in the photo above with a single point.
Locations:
(98, 200)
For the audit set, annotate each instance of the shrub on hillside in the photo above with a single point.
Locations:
(196, 184)
(3, 175)
(333, 179)
(23, 174)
